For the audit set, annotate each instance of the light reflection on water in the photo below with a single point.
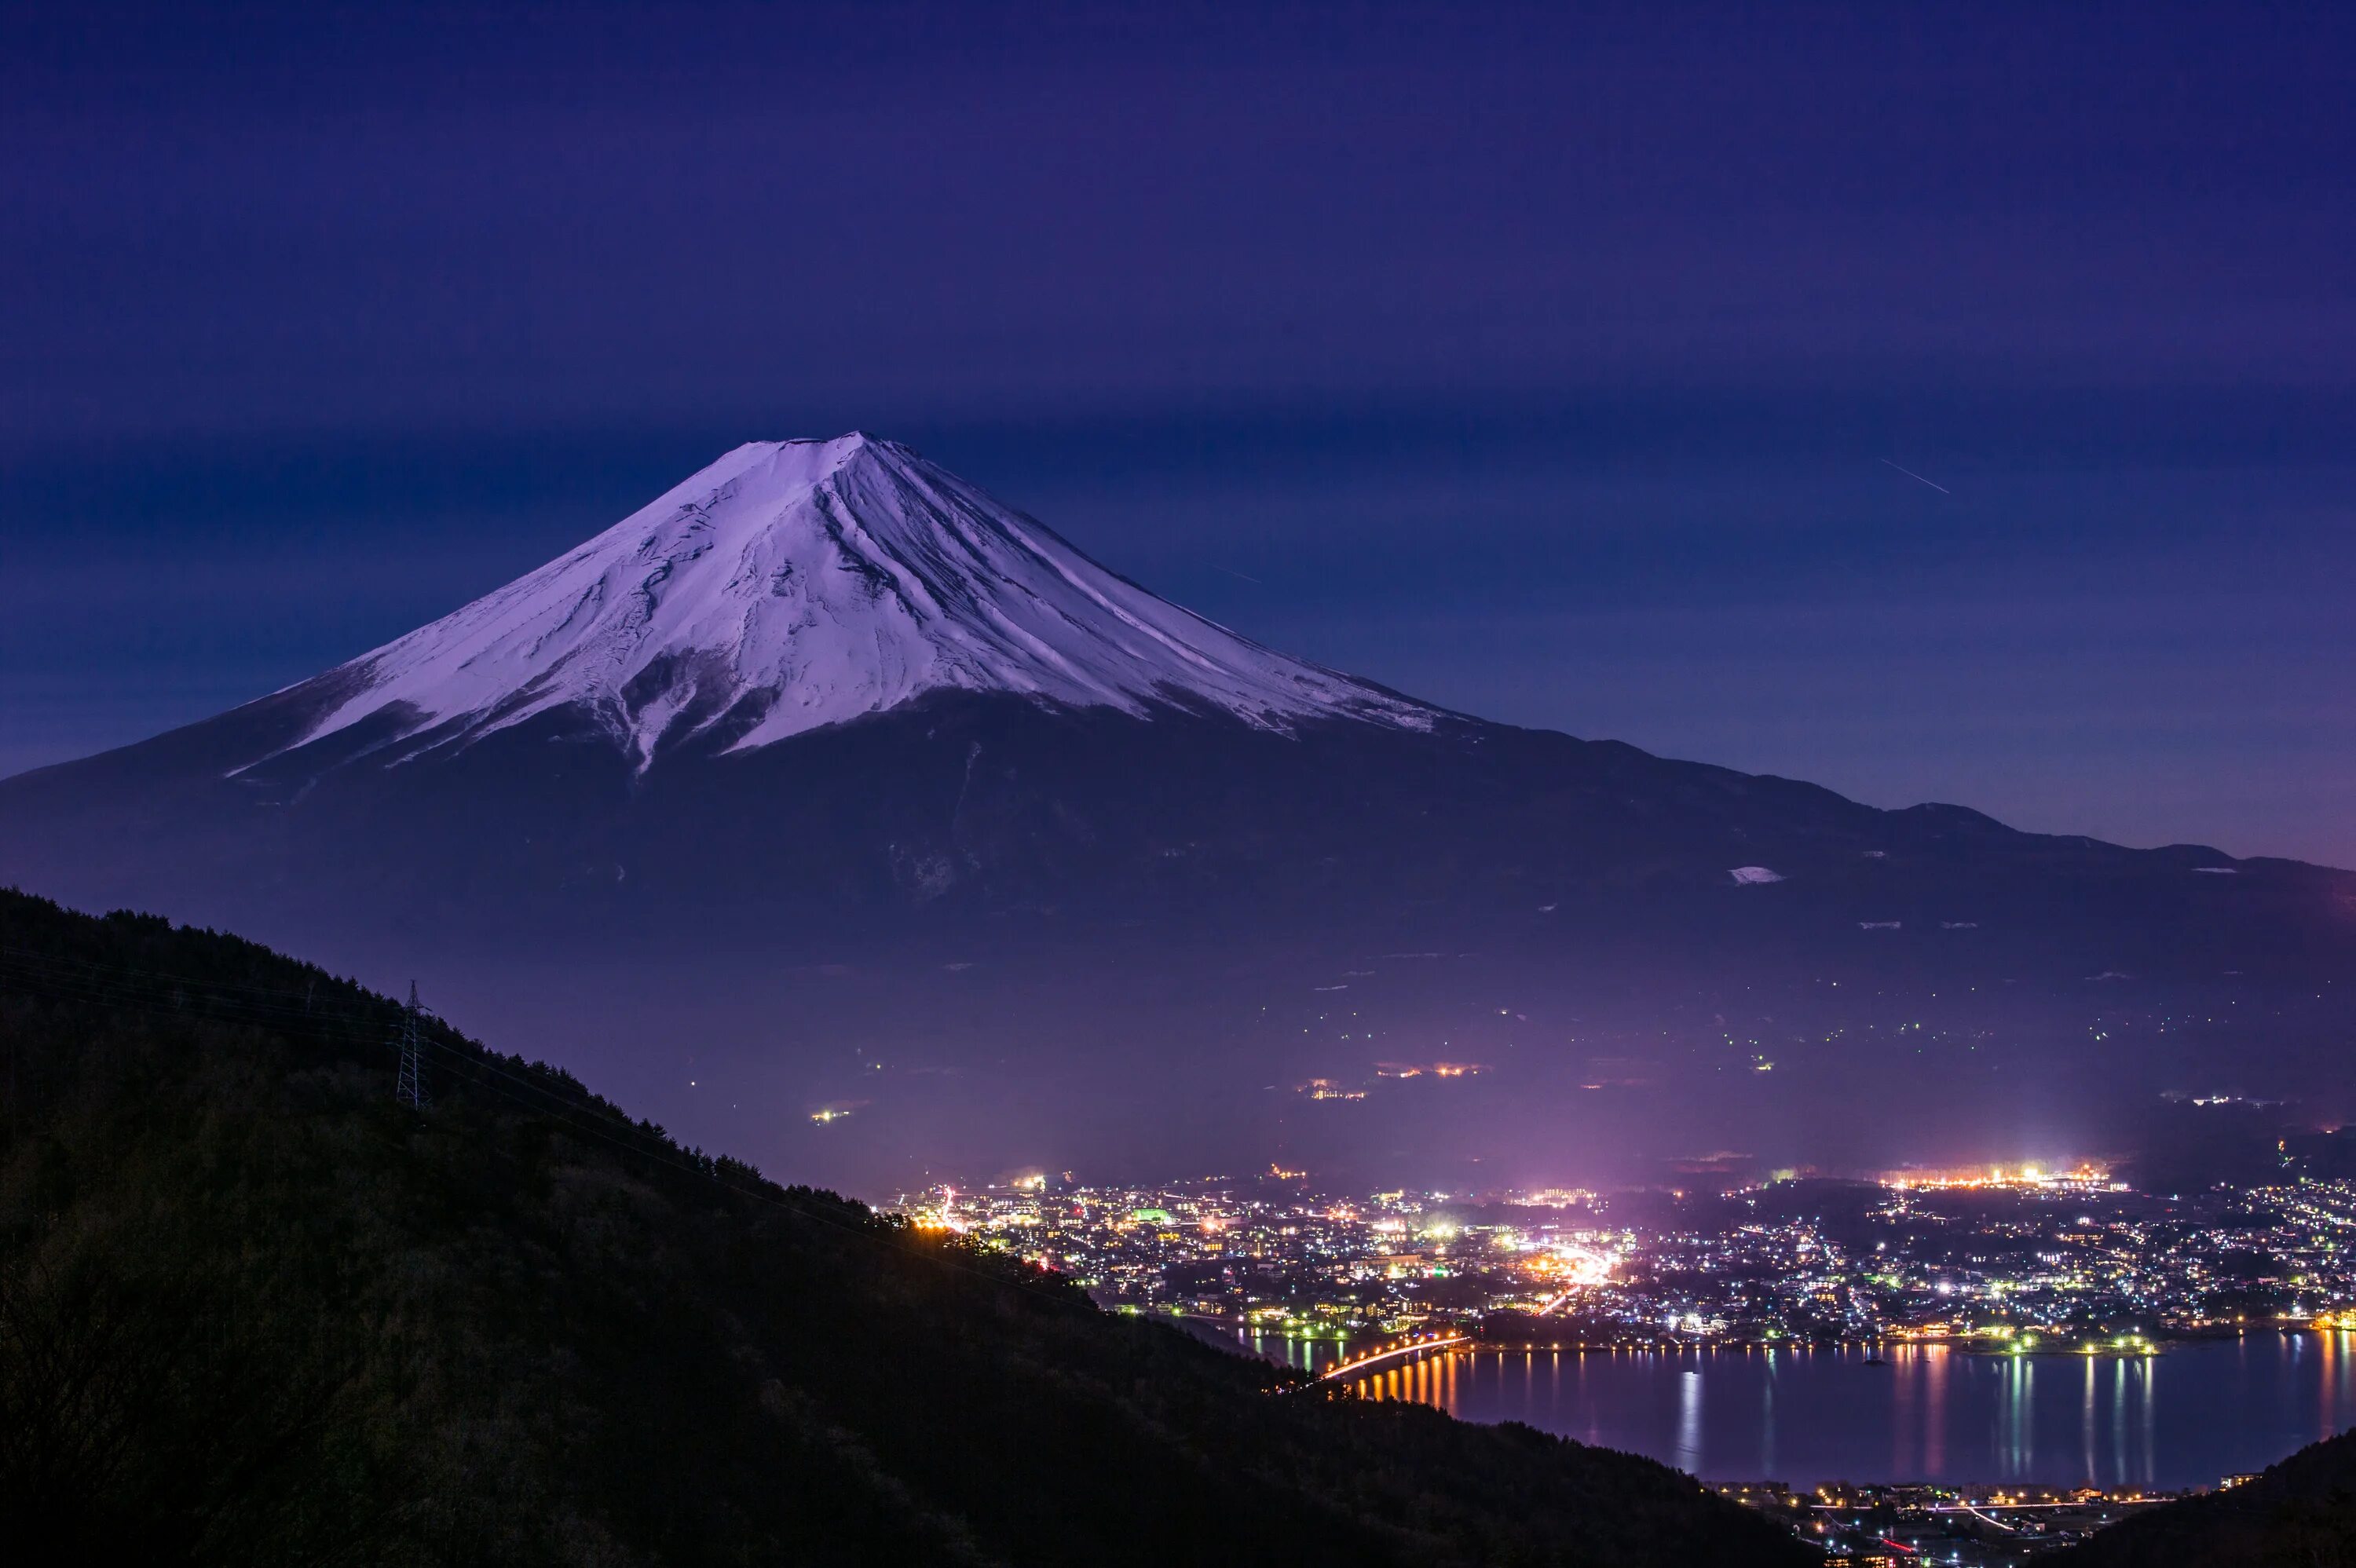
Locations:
(2186, 1416)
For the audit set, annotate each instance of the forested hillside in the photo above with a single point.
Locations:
(2300, 1513)
(255, 1310)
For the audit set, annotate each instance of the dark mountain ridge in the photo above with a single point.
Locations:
(253, 1309)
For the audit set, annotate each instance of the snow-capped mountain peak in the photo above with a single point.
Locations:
(799, 583)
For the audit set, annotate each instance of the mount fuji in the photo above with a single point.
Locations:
(795, 584)
(858, 821)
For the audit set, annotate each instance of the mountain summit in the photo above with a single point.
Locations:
(795, 584)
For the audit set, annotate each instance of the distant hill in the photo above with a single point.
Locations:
(253, 1310)
(2300, 1513)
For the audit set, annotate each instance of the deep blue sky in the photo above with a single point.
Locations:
(1548, 364)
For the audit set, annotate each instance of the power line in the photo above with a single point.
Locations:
(409, 1083)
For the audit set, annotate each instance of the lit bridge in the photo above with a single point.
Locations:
(1392, 1355)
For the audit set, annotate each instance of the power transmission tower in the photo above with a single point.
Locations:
(410, 1087)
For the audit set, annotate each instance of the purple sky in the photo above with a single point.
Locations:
(1548, 364)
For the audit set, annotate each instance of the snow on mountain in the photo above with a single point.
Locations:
(799, 583)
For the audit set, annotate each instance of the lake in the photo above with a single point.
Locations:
(2186, 1416)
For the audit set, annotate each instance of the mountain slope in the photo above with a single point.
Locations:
(826, 781)
(253, 1310)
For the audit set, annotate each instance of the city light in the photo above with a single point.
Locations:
(2072, 1263)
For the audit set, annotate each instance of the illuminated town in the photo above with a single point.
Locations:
(2002, 1263)
(1965, 1527)
(2006, 1262)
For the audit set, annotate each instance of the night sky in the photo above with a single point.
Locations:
(1564, 366)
